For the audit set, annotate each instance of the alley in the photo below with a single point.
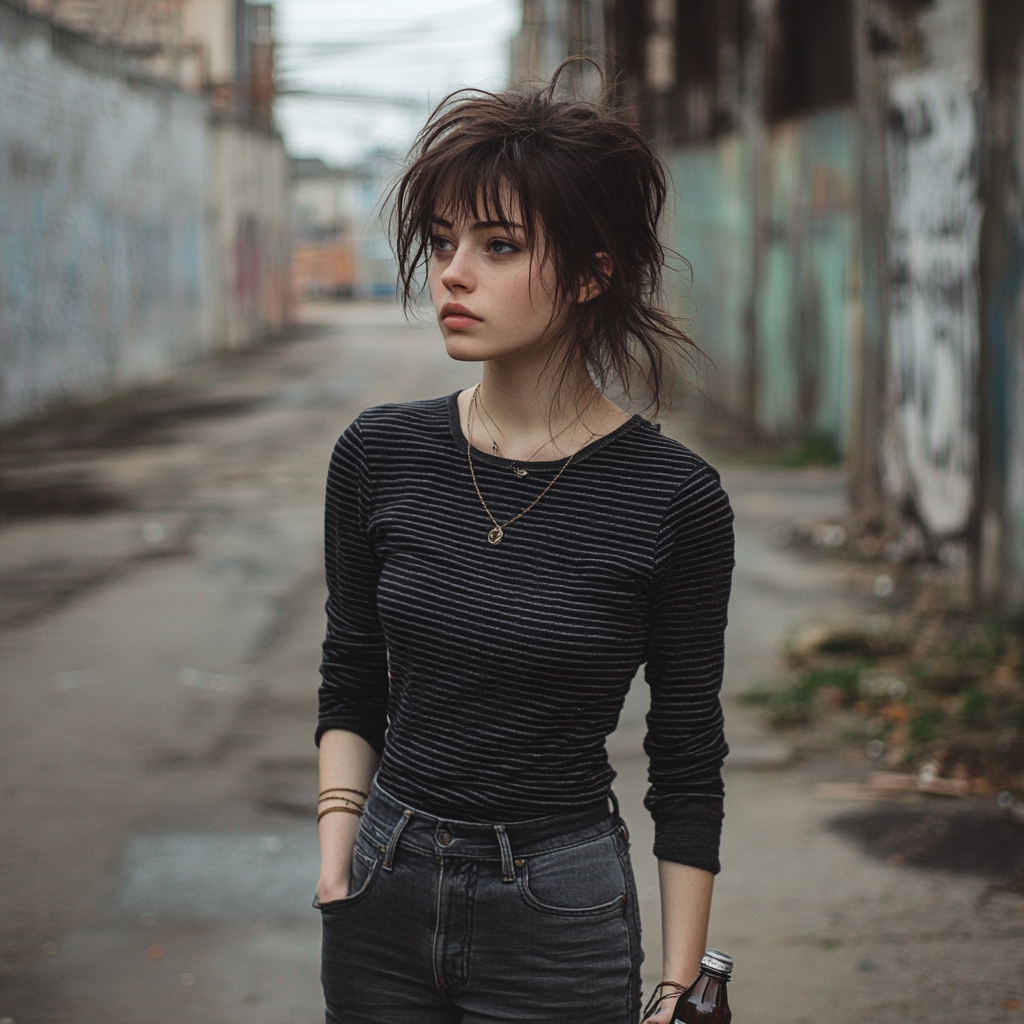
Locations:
(160, 623)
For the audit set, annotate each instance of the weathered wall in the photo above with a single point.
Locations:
(135, 233)
(713, 230)
(809, 292)
(803, 305)
(102, 261)
(1002, 314)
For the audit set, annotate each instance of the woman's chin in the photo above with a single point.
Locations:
(466, 349)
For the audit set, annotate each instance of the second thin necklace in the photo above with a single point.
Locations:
(498, 530)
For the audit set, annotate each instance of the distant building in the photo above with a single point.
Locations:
(223, 48)
(340, 245)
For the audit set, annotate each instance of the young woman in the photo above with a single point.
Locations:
(500, 562)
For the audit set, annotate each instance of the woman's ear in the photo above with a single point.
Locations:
(595, 285)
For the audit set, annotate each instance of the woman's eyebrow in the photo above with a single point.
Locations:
(441, 222)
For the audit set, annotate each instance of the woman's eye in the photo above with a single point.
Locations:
(441, 245)
(502, 248)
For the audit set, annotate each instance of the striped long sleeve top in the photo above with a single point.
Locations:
(488, 677)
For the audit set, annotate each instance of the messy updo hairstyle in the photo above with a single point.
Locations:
(587, 181)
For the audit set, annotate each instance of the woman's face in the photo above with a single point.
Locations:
(491, 299)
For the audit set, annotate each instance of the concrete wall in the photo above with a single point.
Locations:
(135, 234)
(713, 229)
(1001, 395)
(102, 260)
(802, 304)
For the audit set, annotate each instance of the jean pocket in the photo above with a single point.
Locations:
(365, 868)
(583, 880)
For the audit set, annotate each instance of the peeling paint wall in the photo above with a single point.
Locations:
(804, 308)
(713, 229)
(931, 441)
(135, 233)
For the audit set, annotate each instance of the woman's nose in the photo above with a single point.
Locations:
(459, 272)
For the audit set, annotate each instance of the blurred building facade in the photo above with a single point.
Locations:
(223, 48)
(848, 189)
(341, 247)
(144, 215)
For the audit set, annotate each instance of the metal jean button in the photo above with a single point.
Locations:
(444, 838)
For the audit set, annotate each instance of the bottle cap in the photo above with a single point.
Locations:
(717, 963)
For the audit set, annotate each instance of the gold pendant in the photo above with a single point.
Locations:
(520, 472)
(495, 535)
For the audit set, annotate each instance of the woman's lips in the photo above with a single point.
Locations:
(456, 317)
(457, 322)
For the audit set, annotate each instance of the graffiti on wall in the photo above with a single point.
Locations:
(929, 460)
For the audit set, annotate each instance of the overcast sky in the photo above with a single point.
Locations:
(416, 50)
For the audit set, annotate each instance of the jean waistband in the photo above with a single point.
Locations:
(387, 821)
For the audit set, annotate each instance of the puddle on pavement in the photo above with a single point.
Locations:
(59, 495)
(970, 842)
(216, 876)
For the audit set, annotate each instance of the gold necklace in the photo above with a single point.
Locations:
(514, 464)
(498, 531)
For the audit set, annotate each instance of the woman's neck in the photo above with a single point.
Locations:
(532, 413)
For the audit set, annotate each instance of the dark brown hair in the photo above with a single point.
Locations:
(585, 179)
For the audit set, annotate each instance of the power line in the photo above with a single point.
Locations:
(355, 96)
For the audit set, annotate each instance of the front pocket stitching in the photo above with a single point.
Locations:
(523, 885)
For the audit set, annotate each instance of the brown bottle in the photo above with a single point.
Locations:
(706, 1000)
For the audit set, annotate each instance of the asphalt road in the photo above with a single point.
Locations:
(160, 620)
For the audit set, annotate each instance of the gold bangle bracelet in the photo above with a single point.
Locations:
(347, 810)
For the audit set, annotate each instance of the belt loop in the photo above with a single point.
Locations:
(389, 853)
(615, 803)
(508, 871)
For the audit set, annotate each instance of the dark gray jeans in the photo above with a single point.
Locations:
(449, 922)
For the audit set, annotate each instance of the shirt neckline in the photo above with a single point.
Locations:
(459, 436)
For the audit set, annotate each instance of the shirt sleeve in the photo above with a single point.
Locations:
(685, 730)
(354, 669)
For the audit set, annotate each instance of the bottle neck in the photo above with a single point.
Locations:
(719, 976)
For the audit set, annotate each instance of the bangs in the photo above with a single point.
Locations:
(485, 188)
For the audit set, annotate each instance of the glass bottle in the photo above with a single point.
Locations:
(706, 1000)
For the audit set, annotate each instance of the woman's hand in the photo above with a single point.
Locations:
(349, 762)
(663, 1013)
(668, 993)
(327, 891)
(338, 834)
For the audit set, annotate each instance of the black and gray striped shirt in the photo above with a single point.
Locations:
(490, 676)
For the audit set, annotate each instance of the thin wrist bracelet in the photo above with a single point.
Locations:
(345, 789)
(347, 799)
(658, 995)
(346, 810)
